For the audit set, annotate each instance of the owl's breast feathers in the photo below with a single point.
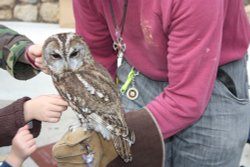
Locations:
(89, 84)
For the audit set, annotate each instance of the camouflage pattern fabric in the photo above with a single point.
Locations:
(12, 50)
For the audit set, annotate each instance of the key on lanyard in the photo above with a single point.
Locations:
(130, 78)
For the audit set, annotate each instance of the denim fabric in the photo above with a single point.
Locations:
(248, 140)
(5, 164)
(218, 137)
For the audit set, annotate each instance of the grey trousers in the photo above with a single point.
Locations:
(218, 137)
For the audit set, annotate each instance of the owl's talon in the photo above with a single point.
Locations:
(72, 128)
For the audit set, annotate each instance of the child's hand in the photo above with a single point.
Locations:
(47, 108)
(23, 145)
(39, 63)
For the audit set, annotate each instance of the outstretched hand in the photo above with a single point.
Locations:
(39, 63)
(46, 108)
(23, 145)
(34, 53)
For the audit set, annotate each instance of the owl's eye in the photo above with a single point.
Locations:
(73, 54)
(56, 56)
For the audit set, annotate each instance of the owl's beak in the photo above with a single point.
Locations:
(66, 68)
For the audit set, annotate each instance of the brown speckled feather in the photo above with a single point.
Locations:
(89, 89)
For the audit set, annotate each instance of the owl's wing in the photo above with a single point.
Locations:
(100, 86)
(122, 137)
(93, 91)
(106, 99)
(71, 90)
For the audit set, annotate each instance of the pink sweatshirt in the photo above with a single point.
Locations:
(182, 42)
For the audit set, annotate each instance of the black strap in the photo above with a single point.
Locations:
(227, 81)
(121, 25)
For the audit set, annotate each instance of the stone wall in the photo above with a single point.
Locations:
(30, 10)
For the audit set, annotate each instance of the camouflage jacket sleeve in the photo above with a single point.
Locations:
(12, 49)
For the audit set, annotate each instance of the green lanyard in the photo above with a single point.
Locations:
(130, 78)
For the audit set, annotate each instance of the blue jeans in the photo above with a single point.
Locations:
(248, 140)
(218, 137)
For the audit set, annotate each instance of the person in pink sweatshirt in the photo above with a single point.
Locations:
(181, 71)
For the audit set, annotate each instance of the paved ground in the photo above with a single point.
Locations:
(42, 84)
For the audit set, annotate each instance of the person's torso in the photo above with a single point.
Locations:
(149, 22)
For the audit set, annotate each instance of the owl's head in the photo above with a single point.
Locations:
(65, 52)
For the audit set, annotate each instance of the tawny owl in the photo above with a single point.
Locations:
(88, 88)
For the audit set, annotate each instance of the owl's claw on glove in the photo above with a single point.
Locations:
(72, 128)
(78, 148)
(89, 156)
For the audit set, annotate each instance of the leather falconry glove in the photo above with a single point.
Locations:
(147, 151)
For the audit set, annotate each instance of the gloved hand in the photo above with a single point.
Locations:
(147, 151)
(79, 148)
(68, 151)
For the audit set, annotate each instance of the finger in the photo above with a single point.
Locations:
(39, 60)
(56, 105)
(28, 137)
(24, 132)
(39, 63)
(58, 100)
(55, 96)
(25, 127)
(61, 102)
(40, 66)
(31, 143)
(45, 71)
(36, 50)
(53, 120)
(55, 115)
(60, 109)
(32, 148)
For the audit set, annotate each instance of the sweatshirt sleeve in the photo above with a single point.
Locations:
(91, 25)
(194, 49)
(12, 118)
(12, 49)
